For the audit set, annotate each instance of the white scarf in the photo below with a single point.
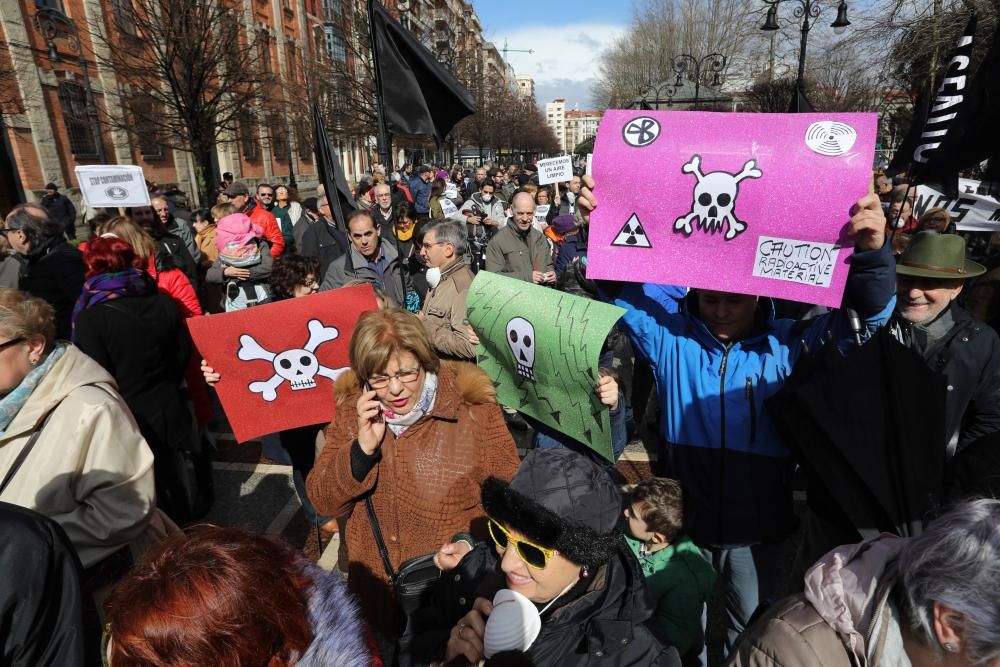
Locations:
(423, 406)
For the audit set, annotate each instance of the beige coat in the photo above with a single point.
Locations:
(841, 620)
(444, 311)
(90, 470)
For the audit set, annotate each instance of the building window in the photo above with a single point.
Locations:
(279, 136)
(79, 125)
(304, 138)
(248, 136)
(264, 47)
(150, 138)
(336, 48)
(332, 11)
(50, 4)
(291, 61)
(124, 13)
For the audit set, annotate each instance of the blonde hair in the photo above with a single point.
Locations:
(384, 300)
(380, 334)
(530, 188)
(23, 315)
(219, 211)
(134, 235)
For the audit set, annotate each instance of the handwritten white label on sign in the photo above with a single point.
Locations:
(555, 170)
(803, 262)
(112, 185)
(451, 191)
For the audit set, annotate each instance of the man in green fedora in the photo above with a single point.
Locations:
(930, 274)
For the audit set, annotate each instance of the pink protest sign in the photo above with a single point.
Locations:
(739, 202)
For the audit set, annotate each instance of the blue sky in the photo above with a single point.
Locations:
(567, 37)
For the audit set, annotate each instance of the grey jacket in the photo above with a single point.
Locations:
(512, 255)
(353, 266)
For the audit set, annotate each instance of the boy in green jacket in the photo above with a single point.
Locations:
(678, 576)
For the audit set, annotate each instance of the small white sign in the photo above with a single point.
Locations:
(555, 170)
(112, 185)
(451, 191)
(448, 207)
(541, 213)
(803, 262)
(590, 164)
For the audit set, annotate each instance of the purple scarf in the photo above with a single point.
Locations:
(109, 286)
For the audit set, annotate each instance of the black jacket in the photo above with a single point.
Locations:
(969, 356)
(143, 343)
(600, 626)
(55, 273)
(324, 242)
(47, 619)
(172, 253)
(60, 209)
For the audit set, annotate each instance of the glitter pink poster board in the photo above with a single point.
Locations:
(740, 202)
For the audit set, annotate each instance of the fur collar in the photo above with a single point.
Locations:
(466, 382)
(338, 631)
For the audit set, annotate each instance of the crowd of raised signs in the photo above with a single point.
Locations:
(820, 481)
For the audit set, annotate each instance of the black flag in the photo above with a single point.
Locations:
(419, 95)
(928, 151)
(331, 175)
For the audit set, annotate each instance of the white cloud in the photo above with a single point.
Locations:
(565, 55)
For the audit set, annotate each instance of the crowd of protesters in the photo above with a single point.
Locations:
(106, 460)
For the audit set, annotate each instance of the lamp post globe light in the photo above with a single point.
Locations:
(807, 10)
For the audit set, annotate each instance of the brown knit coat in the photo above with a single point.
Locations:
(426, 483)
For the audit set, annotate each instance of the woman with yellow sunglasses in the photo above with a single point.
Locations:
(554, 539)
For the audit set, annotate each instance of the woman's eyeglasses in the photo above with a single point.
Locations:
(532, 554)
(12, 341)
(406, 376)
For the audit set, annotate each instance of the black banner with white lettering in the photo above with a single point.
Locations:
(923, 151)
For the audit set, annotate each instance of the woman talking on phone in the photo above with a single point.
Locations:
(417, 437)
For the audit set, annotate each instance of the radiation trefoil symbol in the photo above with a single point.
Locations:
(298, 366)
(714, 199)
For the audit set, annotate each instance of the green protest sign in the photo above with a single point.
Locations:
(540, 348)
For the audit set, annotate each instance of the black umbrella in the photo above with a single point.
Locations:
(869, 430)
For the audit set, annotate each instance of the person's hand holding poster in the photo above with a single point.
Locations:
(541, 348)
(749, 203)
(278, 361)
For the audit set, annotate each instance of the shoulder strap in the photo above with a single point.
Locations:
(23, 454)
(379, 542)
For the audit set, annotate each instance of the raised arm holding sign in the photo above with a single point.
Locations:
(725, 213)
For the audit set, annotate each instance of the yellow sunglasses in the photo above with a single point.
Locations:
(532, 554)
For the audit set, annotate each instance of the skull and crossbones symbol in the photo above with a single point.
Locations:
(714, 199)
(299, 366)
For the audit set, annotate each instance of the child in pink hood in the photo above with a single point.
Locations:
(237, 239)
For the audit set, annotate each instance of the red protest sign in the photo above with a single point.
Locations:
(278, 361)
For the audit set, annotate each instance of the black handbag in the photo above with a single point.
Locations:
(413, 582)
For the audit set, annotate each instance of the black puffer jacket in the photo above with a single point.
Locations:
(600, 626)
(969, 356)
(55, 272)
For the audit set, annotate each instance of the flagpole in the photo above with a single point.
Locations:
(384, 151)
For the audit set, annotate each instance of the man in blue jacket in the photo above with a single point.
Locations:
(715, 364)
(420, 188)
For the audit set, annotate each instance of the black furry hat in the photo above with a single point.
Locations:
(559, 500)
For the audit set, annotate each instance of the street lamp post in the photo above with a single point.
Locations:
(806, 10)
(686, 64)
(53, 24)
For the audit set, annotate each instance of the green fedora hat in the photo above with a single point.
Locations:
(933, 255)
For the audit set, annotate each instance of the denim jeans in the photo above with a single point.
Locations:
(748, 576)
